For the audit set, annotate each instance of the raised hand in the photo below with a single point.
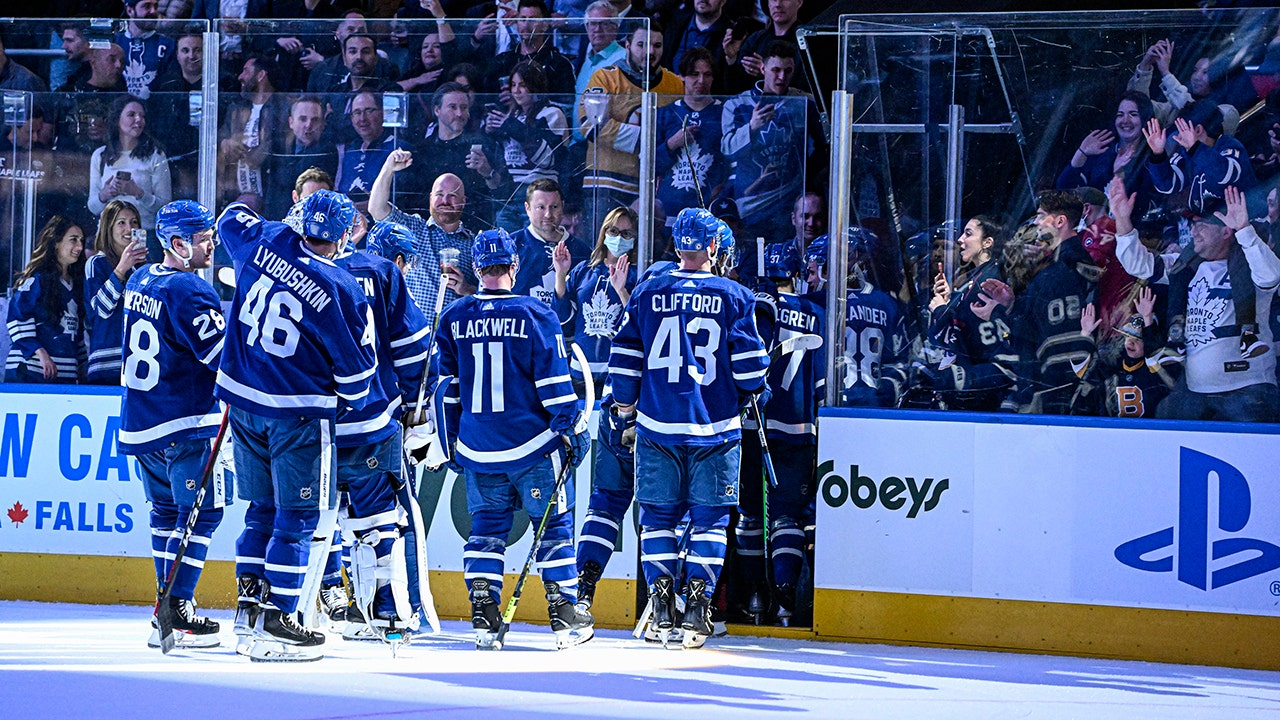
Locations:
(1097, 142)
(1089, 320)
(999, 291)
(561, 260)
(399, 160)
(1237, 215)
(1186, 135)
(1120, 201)
(1156, 136)
(1146, 304)
(618, 274)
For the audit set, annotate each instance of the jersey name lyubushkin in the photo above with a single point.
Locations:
(291, 277)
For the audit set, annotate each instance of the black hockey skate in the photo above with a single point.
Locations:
(697, 615)
(485, 617)
(189, 630)
(785, 596)
(249, 595)
(587, 579)
(334, 601)
(572, 624)
(279, 635)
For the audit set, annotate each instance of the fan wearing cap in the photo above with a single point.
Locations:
(174, 326)
(1132, 385)
(516, 430)
(1218, 383)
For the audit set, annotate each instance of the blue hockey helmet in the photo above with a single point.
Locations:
(725, 242)
(695, 229)
(817, 251)
(781, 260)
(327, 215)
(182, 219)
(390, 240)
(493, 247)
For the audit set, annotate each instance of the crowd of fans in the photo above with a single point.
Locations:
(1113, 300)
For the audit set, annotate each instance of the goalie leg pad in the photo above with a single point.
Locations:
(318, 550)
(379, 578)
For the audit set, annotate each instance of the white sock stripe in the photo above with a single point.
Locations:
(193, 562)
(789, 531)
(710, 537)
(478, 555)
(596, 540)
(292, 569)
(253, 561)
(750, 553)
(288, 592)
(468, 575)
(654, 534)
(758, 532)
(599, 519)
(561, 562)
(657, 557)
(199, 540)
(705, 561)
(787, 551)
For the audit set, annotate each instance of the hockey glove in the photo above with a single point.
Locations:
(578, 448)
(617, 433)
(762, 398)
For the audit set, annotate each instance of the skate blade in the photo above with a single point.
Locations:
(276, 651)
(244, 644)
(360, 632)
(693, 640)
(184, 640)
(720, 629)
(566, 639)
(487, 640)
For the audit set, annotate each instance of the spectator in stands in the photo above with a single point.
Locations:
(690, 169)
(1159, 57)
(360, 58)
(1217, 383)
(424, 76)
(1104, 153)
(331, 73)
(1043, 343)
(252, 132)
(303, 149)
(609, 118)
(170, 107)
(130, 166)
(45, 317)
(449, 147)
(360, 160)
(443, 229)
(746, 65)
(146, 52)
(769, 133)
(702, 25)
(17, 77)
(1125, 384)
(541, 241)
(76, 48)
(120, 252)
(535, 46)
(532, 133)
(603, 50)
(106, 73)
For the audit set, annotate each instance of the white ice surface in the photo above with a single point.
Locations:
(91, 661)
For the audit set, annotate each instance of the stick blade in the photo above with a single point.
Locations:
(164, 623)
(795, 343)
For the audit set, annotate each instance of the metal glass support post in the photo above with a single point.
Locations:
(955, 185)
(838, 229)
(207, 159)
(648, 176)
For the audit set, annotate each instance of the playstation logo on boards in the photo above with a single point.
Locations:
(1188, 545)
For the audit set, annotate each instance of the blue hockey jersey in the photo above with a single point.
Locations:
(175, 329)
(146, 58)
(537, 276)
(104, 319)
(301, 333)
(595, 307)
(686, 353)
(31, 326)
(402, 346)
(513, 388)
(688, 175)
(874, 347)
(797, 380)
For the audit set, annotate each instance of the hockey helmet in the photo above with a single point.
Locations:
(817, 251)
(781, 260)
(695, 229)
(494, 247)
(182, 219)
(391, 240)
(327, 215)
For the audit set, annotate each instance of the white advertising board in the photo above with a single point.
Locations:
(1160, 515)
(65, 490)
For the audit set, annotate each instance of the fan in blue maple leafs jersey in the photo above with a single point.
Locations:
(173, 330)
(683, 362)
(300, 345)
(518, 411)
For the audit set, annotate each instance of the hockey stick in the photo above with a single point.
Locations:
(682, 550)
(420, 411)
(164, 613)
(589, 390)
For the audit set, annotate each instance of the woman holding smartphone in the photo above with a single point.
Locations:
(122, 247)
(130, 167)
(45, 316)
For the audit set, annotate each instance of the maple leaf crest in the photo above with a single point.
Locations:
(1206, 310)
(599, 316)
(17, 513)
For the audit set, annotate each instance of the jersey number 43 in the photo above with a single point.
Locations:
(666, 353)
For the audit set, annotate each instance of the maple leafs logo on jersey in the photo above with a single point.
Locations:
(1206, 310)
(691, 168)
(600, 315)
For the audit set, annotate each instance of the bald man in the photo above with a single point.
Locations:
(443, 229)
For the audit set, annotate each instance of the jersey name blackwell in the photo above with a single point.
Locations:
(291, 277)
(145, 304)
(491, 327)
(690, 302)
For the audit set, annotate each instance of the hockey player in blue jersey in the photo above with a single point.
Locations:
(515, 431)
(173, 329)
(370, 468)
(300, 346)
(685, 360)
(392, 241)
(796, 386)
(874, 333)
